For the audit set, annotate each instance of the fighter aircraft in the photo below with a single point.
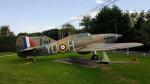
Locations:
(82, 43)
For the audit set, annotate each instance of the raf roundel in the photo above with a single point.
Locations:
(62, 47)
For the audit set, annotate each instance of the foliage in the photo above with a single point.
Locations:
(5, 31)
(23, 34)
(7, 43)
(146, 32)
(141, 28)
(87, 23)
(35, 34)
(30, 34)
(53, 33)
(66, 30)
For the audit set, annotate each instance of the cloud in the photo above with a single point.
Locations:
(93, 14)
(79, 18)
(135, 11)
(100, 1)
(76, 18)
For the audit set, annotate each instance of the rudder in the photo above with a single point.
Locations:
(24, 43)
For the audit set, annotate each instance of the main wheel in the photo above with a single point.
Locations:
(94, 57)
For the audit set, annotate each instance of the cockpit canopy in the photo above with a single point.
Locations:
(84, 35)
(111, 37)
(81, 39)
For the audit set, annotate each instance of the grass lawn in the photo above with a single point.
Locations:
(14, 70)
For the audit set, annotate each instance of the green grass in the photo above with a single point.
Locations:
(14, 70)
(4, 53)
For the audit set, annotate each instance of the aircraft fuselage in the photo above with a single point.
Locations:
(70, 43)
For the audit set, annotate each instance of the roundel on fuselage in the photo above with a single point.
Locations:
(62, 46)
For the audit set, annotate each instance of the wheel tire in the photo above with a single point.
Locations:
(94, 57)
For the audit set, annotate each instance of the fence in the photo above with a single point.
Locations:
(139, 53)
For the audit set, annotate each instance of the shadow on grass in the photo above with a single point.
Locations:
(49, 58)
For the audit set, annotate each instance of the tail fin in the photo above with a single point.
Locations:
(24, 43)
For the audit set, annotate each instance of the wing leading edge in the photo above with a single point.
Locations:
(108, 46)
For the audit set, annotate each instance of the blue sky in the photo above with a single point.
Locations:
(40, 15)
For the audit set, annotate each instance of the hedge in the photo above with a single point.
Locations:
(8, 43)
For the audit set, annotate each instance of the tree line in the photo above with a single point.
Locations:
(56, 34)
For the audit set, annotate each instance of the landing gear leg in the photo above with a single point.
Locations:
(104, 59)
(31, 59)
(94, 56)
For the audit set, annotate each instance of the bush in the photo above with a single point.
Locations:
(8, 43)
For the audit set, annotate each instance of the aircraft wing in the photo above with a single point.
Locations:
(108, 46)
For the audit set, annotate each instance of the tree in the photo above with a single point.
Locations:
(86, 22)
(66, 30)
(53, 33)
(148, 15)
(146, 32)
(144, 36)
(5, 31)
(23, 34)
(35, 34)
(109, 20)
(133, 17)
(139, 19)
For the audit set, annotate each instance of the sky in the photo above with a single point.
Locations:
(40, 15)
